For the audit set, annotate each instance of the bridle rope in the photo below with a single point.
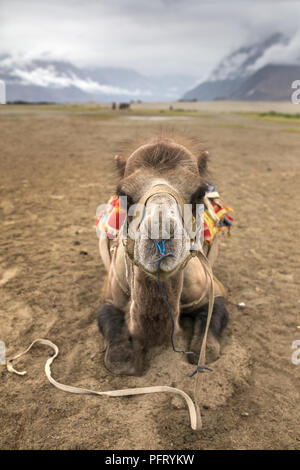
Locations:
(164, 255)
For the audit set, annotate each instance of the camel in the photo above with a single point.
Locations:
(163, 175)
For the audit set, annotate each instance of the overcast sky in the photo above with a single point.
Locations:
(151, 36)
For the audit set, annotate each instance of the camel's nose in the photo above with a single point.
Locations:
(161, 222)
(161, 218)
(160, 226)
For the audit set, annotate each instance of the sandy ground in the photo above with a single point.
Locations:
(56, 168)
(223, 106)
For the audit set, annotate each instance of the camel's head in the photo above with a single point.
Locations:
(163, 182)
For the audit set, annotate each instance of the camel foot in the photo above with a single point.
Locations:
(124, 358)
(124, 355)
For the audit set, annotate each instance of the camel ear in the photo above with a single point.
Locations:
(202, 162)
(121, 164)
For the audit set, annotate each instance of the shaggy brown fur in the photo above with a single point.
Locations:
(149, 319)
(162, 154)
(161, 158)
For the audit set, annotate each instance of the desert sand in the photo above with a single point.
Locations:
(57, 167)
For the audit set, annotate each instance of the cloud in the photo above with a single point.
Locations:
(157, 37)
(285, 53)
(48, 77)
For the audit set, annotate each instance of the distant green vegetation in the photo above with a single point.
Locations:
(30, 103)
(274, 116)
(104, 111)
(41, 106)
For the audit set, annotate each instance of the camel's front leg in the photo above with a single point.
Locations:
(124, 355)
(218, 322)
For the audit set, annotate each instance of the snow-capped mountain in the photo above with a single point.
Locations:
(61, 81)
(242, 62)
(231, 78)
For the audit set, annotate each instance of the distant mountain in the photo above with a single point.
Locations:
(237, 75)
(61, 81)
(241, 63)
(213, 90)
(270, 83)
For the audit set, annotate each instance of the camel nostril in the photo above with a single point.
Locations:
(162, 229)
(172, 228)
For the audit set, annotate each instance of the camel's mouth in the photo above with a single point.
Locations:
(147, 254)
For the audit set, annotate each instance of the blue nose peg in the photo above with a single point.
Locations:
(163, 249)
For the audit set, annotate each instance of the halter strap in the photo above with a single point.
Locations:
(129, 242)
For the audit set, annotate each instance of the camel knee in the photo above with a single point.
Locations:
(219, 318)
(218, 322)
(111, 321)
(124, 355)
